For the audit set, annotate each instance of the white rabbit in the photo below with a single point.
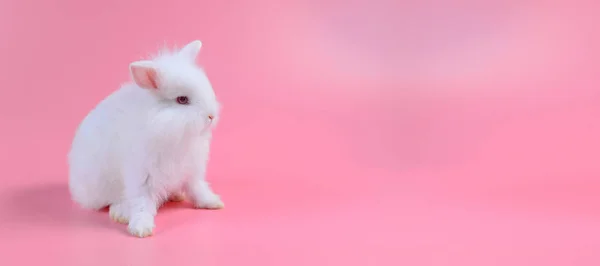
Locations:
(147, 142)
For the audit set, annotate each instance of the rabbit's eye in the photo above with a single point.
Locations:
(183, 100)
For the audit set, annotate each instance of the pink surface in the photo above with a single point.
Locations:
(353, 132)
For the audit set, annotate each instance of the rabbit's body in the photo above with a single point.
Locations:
(143, 144)
(106, 143)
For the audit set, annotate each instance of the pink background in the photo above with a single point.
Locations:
(364, 132)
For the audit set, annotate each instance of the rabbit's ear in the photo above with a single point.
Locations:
(191, 50)
(144, 74)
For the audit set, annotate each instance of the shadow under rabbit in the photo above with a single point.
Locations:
(50, 205)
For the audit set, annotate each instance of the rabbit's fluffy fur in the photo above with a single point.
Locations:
(145, 143)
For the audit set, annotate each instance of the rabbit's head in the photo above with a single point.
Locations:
(186, 97)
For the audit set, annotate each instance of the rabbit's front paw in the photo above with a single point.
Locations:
(211, 201)
(141, 226)
(118, 213)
